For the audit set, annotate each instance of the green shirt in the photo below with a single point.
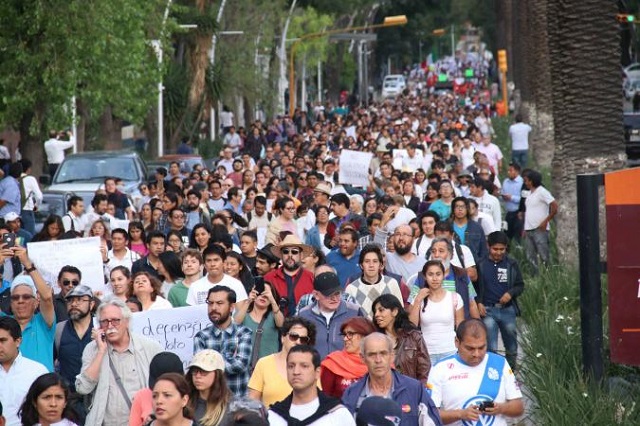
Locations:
(270, 342)
(178, 295)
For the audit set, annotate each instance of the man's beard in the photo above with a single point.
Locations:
(78, 315)
(222, 319)
(293, 267)
(402, 250)
(192, 208)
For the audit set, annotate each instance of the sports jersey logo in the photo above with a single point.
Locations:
(483, 420)
(492, 373)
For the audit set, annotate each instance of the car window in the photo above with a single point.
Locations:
(49, 205)
(92, 169)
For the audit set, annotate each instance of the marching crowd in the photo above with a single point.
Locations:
(329, 303)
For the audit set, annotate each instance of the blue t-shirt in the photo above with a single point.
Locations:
(460, 230)
(37, 341)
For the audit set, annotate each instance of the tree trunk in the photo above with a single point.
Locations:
(539, 105)
(584, 47)
(32, 147)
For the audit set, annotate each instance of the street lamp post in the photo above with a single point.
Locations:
(389, 21)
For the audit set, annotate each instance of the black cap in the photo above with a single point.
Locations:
(327, 283)
(268, 254)
(379, 411)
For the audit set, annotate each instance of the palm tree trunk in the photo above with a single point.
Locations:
(584, 50)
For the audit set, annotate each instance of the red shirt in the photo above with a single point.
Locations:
(302, 287)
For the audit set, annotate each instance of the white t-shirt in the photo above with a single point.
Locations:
(491, 206)
(199, 290)
(160, 303)
(469, 261)
(339, 416)
(466, 155)
(437, 323)
(537, 204)
(519, 134)
(454, 385)
(493, 154)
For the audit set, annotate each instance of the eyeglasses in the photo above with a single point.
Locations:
(179, 216)
(349, 334)
(73, 300)
(114, 322)
(290, 208)
(16, 297)
(293, 252)
(460, 207)
(72, 282)
(302, 178)
(400, 234)
(295, 337)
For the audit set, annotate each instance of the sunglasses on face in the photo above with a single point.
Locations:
(66, 282)
(293, 252)
(294, 337)
(17, 297)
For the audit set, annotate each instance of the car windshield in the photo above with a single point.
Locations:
(95, 170)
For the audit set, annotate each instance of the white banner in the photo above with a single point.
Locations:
(173, 328)
(354, 167)
(83, 253)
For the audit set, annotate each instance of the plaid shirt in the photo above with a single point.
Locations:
(234, 344)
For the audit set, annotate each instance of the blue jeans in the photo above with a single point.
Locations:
(520, 156)
(28, 221)
(503, 320)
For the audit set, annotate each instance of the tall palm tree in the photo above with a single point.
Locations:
(584, 50)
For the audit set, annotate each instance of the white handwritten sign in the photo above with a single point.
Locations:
(173, 328)
(354, 167)
(83, 253)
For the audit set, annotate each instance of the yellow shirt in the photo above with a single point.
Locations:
(269, 381)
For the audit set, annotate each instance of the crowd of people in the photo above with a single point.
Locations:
(329, 303)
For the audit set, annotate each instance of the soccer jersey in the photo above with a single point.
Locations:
(455, 385)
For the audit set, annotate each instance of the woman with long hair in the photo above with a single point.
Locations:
(200, 237)
(171, 401)
(47, 403)
(120, 278)
(411, 355)
(137, 236)
(210, 395)
(431, 195)
(174, 242)
(234, 266)
(315, 235)
(170, 268)
(52, 229)
(442, 206)
(268, 383)
(316, 258)
(286, 210)
(262, 312)
(342, 368)
(100, 229)
(148, 290)
(437, 312)
(146, 218)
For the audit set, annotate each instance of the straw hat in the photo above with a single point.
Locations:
(292, 240)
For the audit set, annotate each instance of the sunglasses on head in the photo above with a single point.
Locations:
(294, 337)
(72, 282)
(291, 251)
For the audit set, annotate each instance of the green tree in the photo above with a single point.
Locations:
(98, 52)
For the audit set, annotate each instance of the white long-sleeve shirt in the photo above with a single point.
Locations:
(55, 148)
(31, 191)
(491, 206)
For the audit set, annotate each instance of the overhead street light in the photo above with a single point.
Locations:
(389, 21)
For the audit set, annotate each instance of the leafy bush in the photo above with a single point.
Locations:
(552, 369)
